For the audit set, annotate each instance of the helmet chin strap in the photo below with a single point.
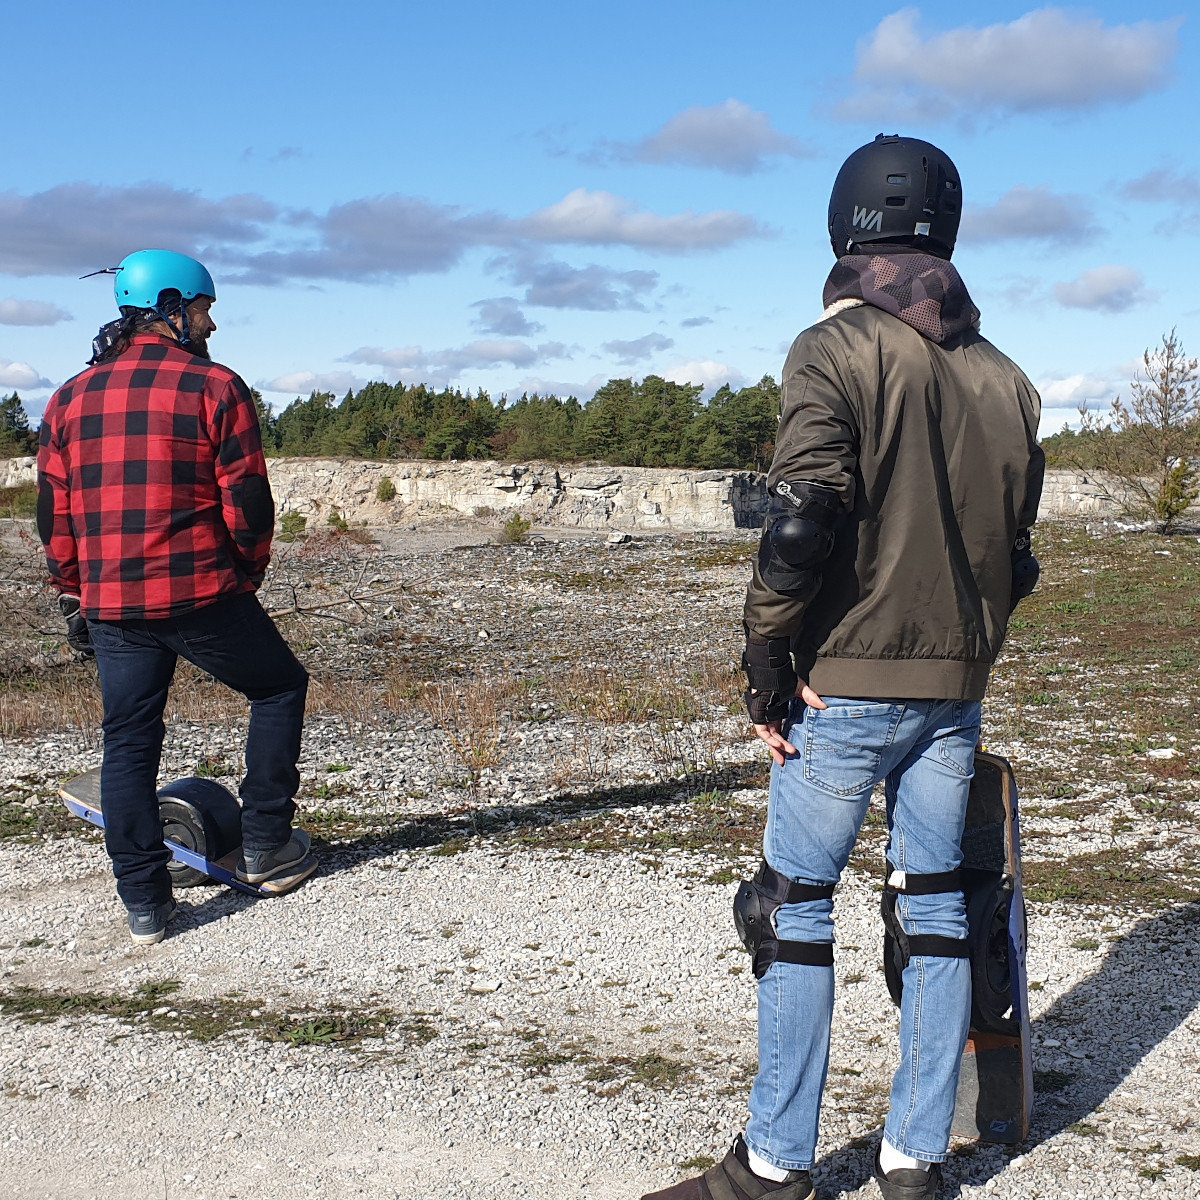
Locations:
(183, 337)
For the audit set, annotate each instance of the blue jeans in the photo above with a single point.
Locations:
(236, 642)
(924, 750)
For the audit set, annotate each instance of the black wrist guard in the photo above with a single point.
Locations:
(771, 676)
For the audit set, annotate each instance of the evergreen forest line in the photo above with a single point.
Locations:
(654, 423)
(651, 423)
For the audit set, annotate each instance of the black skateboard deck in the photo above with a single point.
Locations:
(201, 829)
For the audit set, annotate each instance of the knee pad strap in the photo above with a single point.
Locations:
(909, 884)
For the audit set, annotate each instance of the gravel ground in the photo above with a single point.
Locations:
(516, 974)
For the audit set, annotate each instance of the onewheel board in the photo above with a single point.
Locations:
(995, 1089)
(201, 829)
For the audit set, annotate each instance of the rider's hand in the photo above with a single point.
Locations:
(771, 732)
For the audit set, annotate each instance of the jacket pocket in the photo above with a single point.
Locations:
(844, 745)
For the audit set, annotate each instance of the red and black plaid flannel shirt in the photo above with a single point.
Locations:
(152, 485)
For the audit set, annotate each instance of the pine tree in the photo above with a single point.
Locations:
(1149, 446)
(16, 438)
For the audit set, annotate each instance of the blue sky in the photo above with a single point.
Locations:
(534, 196)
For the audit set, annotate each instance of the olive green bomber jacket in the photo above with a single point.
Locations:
(932, 449)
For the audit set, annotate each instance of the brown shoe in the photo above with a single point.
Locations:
(904, 1184)
(732, 1179)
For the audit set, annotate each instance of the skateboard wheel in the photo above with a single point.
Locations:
(202, 817)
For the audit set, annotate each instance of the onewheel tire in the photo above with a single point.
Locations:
(203, 817)
(893, 968)
(991, 968)
(183, 824)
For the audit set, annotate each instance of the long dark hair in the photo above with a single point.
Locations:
(113, 339)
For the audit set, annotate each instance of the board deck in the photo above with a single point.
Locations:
(82, 796)
(995, 1091)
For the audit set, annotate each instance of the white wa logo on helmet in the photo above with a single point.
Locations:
(866, 219)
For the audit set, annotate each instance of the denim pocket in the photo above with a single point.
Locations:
(957, 750)
(844, 745)
(106, 635)
(221, 623)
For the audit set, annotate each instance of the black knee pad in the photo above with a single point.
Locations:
(899, 946)
(754, 908)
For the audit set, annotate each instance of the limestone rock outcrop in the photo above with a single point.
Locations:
(589, 497)
(582, 496)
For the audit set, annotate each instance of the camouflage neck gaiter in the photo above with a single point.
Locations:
(923, 291)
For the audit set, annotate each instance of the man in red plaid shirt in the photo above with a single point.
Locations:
(157, 518)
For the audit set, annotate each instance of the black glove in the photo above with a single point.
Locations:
(78, 636)
(1025, 569)
(772, 678)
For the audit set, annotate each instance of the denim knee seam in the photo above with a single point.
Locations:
(916, 1057)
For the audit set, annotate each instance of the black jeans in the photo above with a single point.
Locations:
(236, 642)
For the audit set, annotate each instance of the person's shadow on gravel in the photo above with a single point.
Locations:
(1146, 986)
(520, 823)
(448, 832)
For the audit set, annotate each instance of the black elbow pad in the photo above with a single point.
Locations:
(253, 497)
(1026, 569)
(798, 538)
(45, 510)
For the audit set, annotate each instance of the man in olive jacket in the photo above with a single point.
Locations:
(905, 480)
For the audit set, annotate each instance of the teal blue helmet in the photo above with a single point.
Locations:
(145, 274)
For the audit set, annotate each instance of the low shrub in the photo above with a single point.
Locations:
(19, 501)
(515, 531)
(292, 526)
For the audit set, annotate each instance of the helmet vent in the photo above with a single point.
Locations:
(898, 179)
(896, 201)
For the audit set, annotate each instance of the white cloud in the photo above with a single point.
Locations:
(388, 236)
(401, 360)
(694, 322)
(21, 375)
(550, 283)
(1110, 289)
(706, 372)
(603, 219)
(1063, 394)
(730, 136)
(1030, 213)
(502, 316)
(628, 353)
(1167, 186)
(31, 312)
(78, 227)
(1051, 59)
(440, 367)
(300, 383)
(544, 386)
(1163, 185)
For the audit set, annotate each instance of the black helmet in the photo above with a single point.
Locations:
(899, 190)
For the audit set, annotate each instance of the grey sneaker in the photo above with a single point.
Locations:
(259, 866)
(903, 1184)
(149, 925)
